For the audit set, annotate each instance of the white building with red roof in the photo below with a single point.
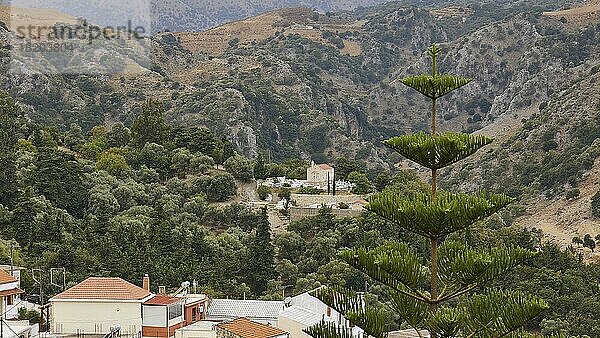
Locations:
(9, 294)
(162, 315)
(97, 304)
(320, 174)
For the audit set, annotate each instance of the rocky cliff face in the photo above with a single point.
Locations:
(511, 68)
(300, 92)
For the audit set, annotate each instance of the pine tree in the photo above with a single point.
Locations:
(446, 293)
(9, 114)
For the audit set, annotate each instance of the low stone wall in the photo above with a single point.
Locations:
(297, 213)
(307, 200)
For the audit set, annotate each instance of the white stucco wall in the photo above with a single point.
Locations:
(155, 316)
(95, 317)
(318, 175)
(292, 327)
(200, 329)
(9, 311)
(304, 311)
(9, 286)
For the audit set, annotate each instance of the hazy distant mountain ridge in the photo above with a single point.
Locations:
(180, 15)
(198, 15)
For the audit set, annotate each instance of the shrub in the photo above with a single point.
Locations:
(263, 192)
(113, 162)
(573, 194)
(310, 191)
(240, 167)
(217, 188)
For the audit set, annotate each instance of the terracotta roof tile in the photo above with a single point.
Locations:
(104, 288)
(246, 328)
(163, 300)
(12, 292)
(324, 166)
(5, 277)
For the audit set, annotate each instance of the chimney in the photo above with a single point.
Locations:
(146, 283)
(162, 290)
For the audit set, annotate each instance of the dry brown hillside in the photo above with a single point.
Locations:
(562, 219)
(215, 41)
(588, 11)
(452, 11)
(559, 217)
(302, 21)
(15, 17)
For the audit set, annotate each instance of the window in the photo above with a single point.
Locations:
(9, 300)
(175, 310)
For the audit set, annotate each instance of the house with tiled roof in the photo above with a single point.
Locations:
(97, 304)
(11, 302)
(245, 328)
(162, 315)
(9, 294)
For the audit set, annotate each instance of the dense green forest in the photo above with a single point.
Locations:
(129, 201)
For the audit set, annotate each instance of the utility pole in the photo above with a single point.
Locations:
(39, 280)
(63, 271)
(13, 245)
(38, 276)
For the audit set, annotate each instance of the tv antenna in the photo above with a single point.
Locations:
(60, 271)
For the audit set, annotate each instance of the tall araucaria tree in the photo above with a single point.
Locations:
(445, 293)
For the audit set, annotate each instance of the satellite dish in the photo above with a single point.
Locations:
(185, 284)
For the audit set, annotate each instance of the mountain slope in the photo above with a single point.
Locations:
(180, 15)
(552, 163)
(298, 83)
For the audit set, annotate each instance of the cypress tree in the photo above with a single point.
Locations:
(261, 255)
(9, 114)
(444, 293)
(150, 126)
(260, 169)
